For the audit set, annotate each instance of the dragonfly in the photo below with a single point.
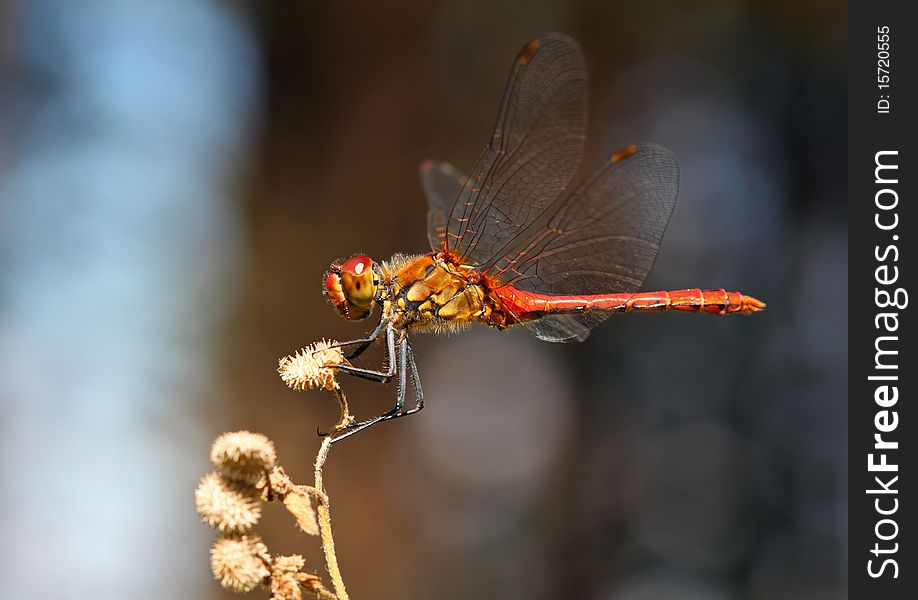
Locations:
(515, 244)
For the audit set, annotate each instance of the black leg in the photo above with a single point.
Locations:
(399, 399)
(416, 382)
(363, 344)
(406, 367)
(378, 376)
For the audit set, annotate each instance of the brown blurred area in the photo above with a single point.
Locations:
(356, 99)
(669, 456)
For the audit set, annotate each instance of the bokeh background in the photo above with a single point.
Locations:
(175, 177)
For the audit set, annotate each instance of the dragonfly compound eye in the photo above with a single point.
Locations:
(358, 281)
(333, 286)
(351, 287)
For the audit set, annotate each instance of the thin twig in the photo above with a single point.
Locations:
(322, 505)
(320, 590)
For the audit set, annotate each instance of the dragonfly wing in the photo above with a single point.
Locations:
(533, 154)
(603, 238)
(442, 184)
(565, 328)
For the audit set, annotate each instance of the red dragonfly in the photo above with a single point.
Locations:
(513, 245)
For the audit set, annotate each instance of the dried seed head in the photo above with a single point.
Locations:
(285, 583)
(227, 505)
(312, 367)
(288, 564)
(237, 562)
(243, 456)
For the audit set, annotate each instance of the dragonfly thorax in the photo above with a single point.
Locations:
(430, 292)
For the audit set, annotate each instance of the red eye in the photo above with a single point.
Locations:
(333, 288)
(357, 265)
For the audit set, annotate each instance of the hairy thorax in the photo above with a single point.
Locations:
(432, 292)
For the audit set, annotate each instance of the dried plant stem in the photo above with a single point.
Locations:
(319, 590)
(322, 505)
(323, 593)
(325, 531)
(346, 417)
(314, 368)
(312, 584)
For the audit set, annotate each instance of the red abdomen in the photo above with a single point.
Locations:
(531, 305)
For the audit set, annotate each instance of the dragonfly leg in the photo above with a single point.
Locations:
(373, 375)
(363, 343)
(406, 367)
(416, 382)
(395, 411)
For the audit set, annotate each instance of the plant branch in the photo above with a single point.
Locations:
(322, 505)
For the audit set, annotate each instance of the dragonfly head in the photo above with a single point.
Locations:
(351, 287)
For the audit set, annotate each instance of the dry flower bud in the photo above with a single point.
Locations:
(312, 367)
(299, 504)
(285, 583)
(243, 456)
(238, 563)
(227, 505)
(285, 587)
(290, 564)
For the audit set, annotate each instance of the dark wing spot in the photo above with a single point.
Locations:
(527, 52)
(623, 154)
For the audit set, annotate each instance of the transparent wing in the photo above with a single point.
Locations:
(442, 184)
(533, 154)
(603, 238)
(565, 328)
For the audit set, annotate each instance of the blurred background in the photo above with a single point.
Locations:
(175, 177)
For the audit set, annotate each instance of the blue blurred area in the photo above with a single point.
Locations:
(126, 127)
(175, 178)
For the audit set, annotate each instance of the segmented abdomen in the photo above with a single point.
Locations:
(525, 304)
